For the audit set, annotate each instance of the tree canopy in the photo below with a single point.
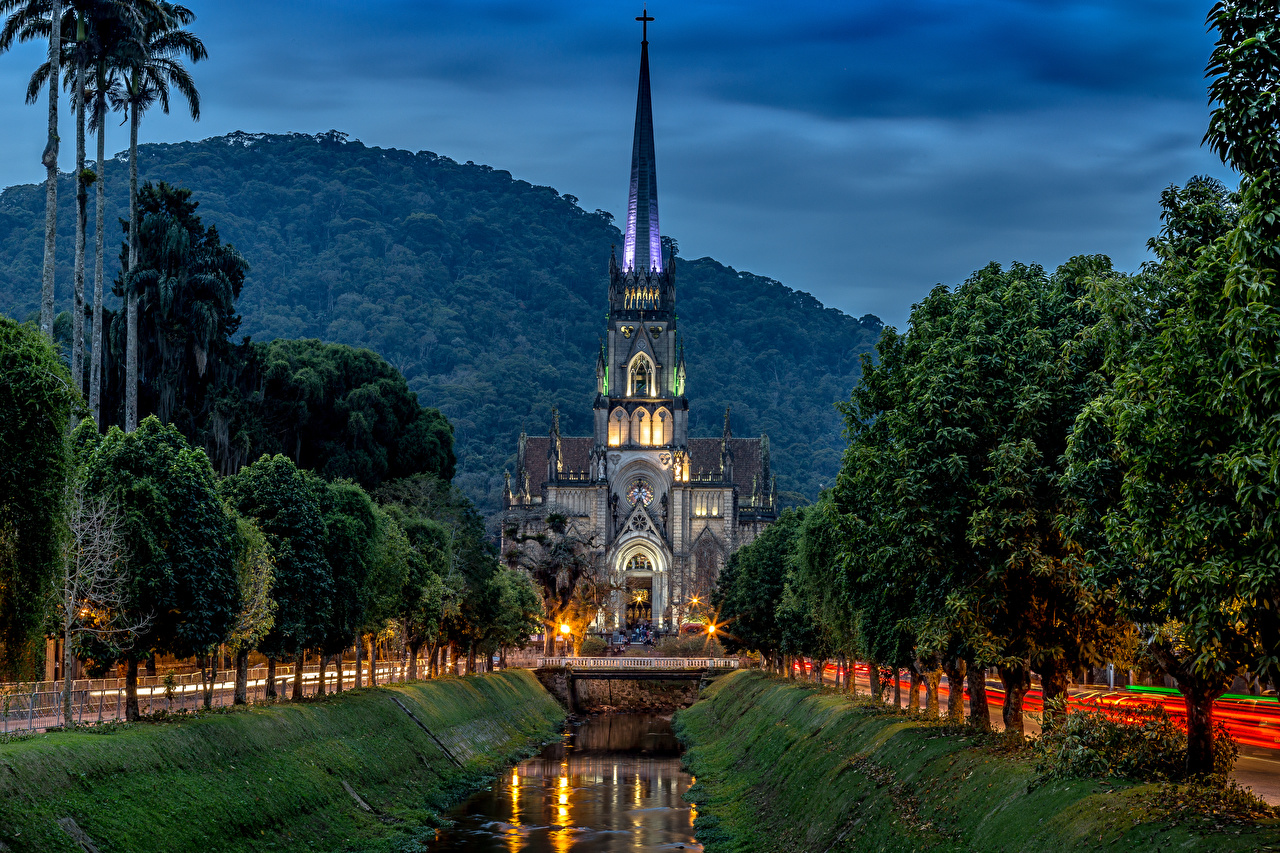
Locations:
(36, 403)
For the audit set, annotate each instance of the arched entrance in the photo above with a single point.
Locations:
(639, 591)
(641, 575)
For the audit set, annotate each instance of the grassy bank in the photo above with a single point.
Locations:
(786, 767)
(272, 778)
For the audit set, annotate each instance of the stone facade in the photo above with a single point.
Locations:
(665, 509)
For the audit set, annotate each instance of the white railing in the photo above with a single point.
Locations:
(641, 663)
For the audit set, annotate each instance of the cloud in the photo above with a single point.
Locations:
(862, 152)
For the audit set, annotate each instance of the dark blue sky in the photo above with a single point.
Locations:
(860, 151)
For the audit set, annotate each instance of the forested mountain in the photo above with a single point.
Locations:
(487, 293)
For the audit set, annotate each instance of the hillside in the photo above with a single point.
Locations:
(488, 293)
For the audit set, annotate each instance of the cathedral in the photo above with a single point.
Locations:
(664, 510)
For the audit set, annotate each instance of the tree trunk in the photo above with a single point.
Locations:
(271, 680)
(82, 225)
(1017, 681)
(241, 696)
(932, 676)
(131, 691)
(1198, 695)
(1055, 678)
(338, 685)
(979, 711)
(50, 161)
(298, 663)
(413, 660)
(471, 658)
(324, 665)
(913, 692)
(67, 660)
(359, 662)
(434, 667)
(373, 662)
(212, 680)
(955, 669)
(876, 682)
(95, 363)
(548, 642)
(897, 689)
(131, 297)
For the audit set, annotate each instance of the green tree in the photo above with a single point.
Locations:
(287, 505)
(151, 60)
(36, 401)
(184, 281)
(750, 588)
(255, 576)
(367, 567)
(1243, 130)
(179, 538)
(339, 411)
(28, 20)
(564, 565)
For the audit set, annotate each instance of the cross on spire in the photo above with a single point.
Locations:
(644, 19)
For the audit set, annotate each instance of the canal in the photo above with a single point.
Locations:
(612, 784)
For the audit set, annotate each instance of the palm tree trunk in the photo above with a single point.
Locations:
(50, 161)
(95, 366)
(131, 299)
(82, 224)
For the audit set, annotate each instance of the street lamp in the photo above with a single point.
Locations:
(564, 634)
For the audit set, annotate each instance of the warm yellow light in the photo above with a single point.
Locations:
(564, 781)
(564, 799)
(711, 629)
(564, 629)
(515, 778)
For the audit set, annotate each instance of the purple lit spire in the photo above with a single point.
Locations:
(642, 245)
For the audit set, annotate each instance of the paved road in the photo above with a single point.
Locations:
(1256, 768)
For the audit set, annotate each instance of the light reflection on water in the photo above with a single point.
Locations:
(613, 784)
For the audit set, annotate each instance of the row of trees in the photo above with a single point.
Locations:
(130, 545)
(1047, 471)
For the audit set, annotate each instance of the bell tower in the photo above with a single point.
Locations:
(641, 399)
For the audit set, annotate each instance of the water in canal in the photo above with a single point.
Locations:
(612, 784)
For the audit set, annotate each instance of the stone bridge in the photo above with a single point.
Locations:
(628, 684)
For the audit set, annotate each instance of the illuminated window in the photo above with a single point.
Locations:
(618, 428)
(639, 563)
(661, 427)
(641, 377)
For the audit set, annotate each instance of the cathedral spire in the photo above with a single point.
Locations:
(642, 246)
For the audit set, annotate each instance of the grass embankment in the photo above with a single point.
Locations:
(786, 767)
(272, 778)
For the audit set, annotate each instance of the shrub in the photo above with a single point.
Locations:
(593, 647)
(1143, 743)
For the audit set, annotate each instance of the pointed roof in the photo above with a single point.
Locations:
(642, 246)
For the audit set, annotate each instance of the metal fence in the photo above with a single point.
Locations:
(38, 705)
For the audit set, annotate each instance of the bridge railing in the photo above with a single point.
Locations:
(641, 663)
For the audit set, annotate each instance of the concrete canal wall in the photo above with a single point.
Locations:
(787, 767)
(369, 770)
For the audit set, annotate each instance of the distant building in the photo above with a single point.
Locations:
(665, 509)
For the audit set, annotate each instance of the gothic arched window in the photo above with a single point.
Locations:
(641, 378)
(639, 563)
(661, 427)
(618, 428)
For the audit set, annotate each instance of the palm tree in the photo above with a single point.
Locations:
(112, 24)
(151, 64)
(27, 20)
